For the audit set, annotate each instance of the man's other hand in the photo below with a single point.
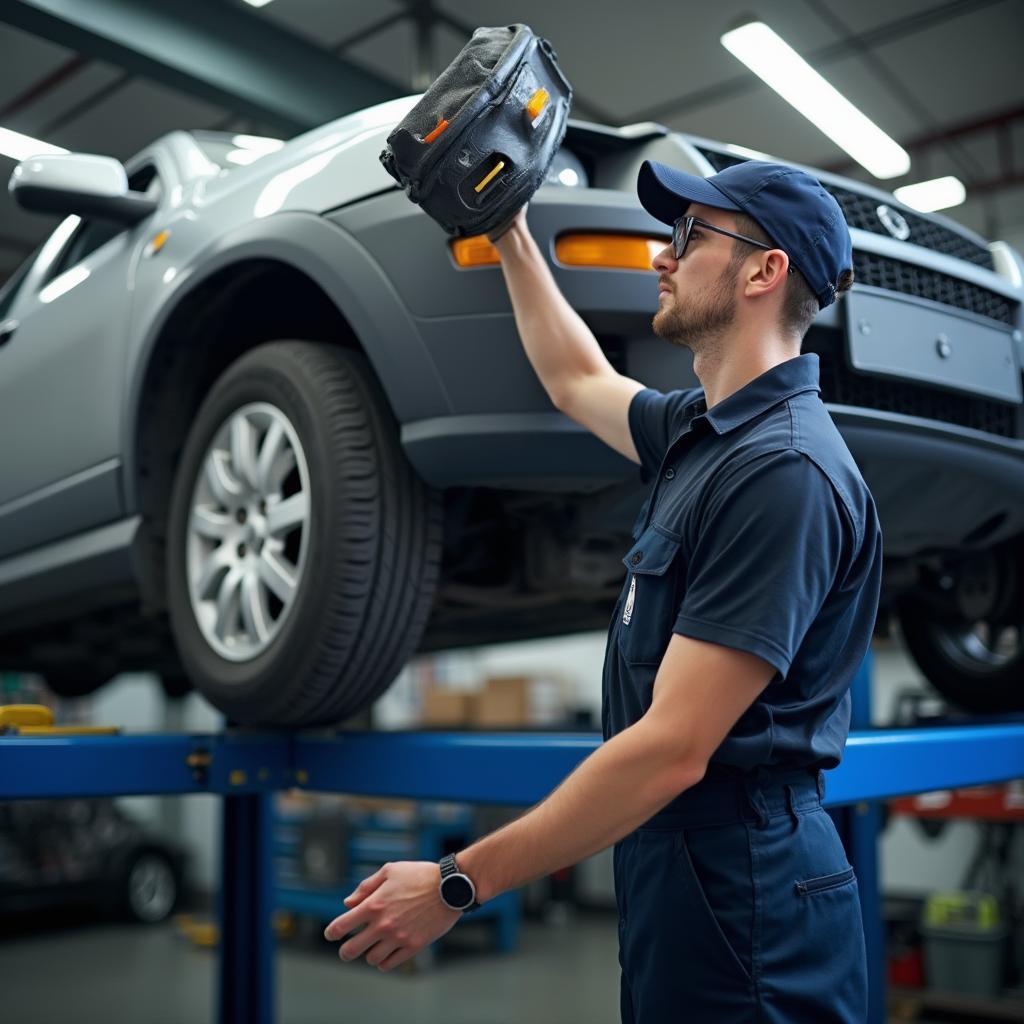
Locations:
(399, 910)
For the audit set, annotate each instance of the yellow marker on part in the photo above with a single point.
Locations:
(158, 242)
(483, 184)
(538, 101)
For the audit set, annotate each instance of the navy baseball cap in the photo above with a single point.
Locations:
(796, 212)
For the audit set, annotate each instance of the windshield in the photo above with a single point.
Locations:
(228, 151)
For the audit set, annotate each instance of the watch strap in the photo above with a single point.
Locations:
(449, 867)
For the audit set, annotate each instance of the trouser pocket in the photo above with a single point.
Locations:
(825, 882)
(716, 866)
(813, 963)
(672, 948)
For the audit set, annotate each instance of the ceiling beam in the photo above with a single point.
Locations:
(212, 49)
(38, 89)
(881, 35)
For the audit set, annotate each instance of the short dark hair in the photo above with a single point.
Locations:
(799, 306)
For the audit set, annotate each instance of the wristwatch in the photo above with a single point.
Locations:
(457, 889)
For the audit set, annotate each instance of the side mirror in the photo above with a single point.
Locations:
(92, 186)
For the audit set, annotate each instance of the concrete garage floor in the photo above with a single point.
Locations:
(98, 973)
(64, 966)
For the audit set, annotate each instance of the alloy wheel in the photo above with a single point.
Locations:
(248, 531)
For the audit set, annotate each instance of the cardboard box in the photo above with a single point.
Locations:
(505, 701)
(446, 707)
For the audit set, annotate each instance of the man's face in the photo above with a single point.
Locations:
(696, 296)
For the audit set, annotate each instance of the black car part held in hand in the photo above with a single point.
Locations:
(477, 146)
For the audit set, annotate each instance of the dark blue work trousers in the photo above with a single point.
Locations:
(737, 904)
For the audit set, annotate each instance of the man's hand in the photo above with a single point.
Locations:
(517, 223)
(402, 911)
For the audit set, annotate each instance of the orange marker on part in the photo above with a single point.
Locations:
(441, 125)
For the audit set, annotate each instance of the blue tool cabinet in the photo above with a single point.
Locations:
(375, 838)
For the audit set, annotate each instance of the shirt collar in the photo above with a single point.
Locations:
(773, 386)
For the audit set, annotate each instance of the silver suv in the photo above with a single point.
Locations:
(269, 432)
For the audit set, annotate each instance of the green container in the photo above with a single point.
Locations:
(964, 943)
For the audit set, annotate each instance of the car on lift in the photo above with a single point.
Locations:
(269, 429)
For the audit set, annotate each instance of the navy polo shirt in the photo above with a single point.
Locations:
(760, 535)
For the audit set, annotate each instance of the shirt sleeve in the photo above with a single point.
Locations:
(655, 421)
(767, 556)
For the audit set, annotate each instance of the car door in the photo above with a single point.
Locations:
(61, 374)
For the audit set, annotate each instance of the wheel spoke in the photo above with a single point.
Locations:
(1006, 640)
(282, 465)
(226, 489)
(276, 575)
(228, 602)
(284, 515)
(247, 530)
(209, 523)
(219, 562)
(269, 451)
(243, 450)
(255, 615)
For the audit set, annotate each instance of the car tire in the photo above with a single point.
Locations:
(955, 659)
(71, 683)
(175, 685)
(149, 887)
(360, 570)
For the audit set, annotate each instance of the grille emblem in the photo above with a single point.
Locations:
(894, 222)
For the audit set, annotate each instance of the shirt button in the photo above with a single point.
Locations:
(669, 473)
(635, 560)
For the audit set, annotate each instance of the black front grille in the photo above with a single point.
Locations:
(861, 211)
(909, 279)
(843, 386)
(721, 160)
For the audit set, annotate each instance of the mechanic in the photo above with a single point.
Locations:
(748, 605)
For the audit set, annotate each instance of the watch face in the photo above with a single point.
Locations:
(457, 891)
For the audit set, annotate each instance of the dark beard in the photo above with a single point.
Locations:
(708, 316)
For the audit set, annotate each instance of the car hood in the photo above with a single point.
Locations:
(323, 168)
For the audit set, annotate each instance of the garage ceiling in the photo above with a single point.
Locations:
(942, 78)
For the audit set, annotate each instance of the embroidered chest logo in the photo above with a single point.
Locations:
(628, 613)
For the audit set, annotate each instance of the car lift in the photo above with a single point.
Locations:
(518, 768)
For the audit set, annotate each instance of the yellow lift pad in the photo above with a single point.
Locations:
(37, 720)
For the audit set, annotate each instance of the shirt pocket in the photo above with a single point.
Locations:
(652, 596)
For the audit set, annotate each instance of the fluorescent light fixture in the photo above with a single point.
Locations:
(937, 194)
(777, 64)
(21, 147)
(257, 3)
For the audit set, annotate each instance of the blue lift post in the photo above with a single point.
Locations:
(509, 768)
(859, 826)
(246, 905)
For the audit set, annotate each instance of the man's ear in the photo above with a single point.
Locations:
(767, 274)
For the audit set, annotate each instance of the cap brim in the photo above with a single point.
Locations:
(665, 193)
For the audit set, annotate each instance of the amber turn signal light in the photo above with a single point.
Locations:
(475, 251)
(615, 252)
(607, 252)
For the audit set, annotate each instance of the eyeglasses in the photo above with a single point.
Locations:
(682, 230)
